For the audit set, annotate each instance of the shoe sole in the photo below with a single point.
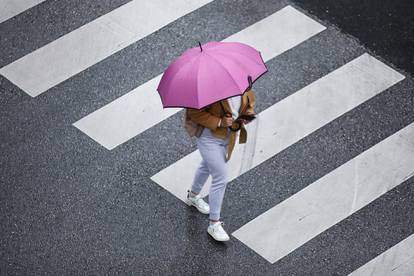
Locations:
(189, 203)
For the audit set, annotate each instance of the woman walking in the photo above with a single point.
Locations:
(213, 82)
(219, 123)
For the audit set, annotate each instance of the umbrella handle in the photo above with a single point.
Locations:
(249, 79)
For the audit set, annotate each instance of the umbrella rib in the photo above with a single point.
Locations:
(224, 70)
(236, 61)
(198, 95)
(190, 63)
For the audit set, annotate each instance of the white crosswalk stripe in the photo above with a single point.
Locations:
(128, 116)
(327, 201)
(76, 51)
(396, 261)
(11, 8)
(293, 118)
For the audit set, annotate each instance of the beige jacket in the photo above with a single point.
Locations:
(210, 116)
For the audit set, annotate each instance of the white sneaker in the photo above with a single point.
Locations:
(217, 232)
(197, 202)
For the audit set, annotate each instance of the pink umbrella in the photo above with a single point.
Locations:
(210, 73)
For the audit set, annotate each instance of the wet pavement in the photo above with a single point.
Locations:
(69, 206)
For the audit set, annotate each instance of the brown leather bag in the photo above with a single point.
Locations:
(192, 128)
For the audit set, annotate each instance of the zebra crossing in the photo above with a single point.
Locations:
(292, 223)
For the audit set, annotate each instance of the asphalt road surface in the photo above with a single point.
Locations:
(93, 170)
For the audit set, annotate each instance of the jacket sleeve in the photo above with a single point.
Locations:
(252, 103)
(204, 118)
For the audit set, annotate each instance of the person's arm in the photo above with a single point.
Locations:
(204, 118)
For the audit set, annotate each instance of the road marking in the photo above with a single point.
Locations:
(11, 8)
(76, 51)
(291, 119)
(398, 260)
(130, 115)
(332, 198)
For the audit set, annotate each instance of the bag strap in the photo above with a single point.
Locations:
(222, 107)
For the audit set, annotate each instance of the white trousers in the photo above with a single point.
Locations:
(213, 152)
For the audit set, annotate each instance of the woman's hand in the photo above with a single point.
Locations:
(226, 121)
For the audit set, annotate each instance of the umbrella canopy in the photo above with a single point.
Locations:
(209, 73)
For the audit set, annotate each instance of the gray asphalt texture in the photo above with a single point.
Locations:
(71, 207)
